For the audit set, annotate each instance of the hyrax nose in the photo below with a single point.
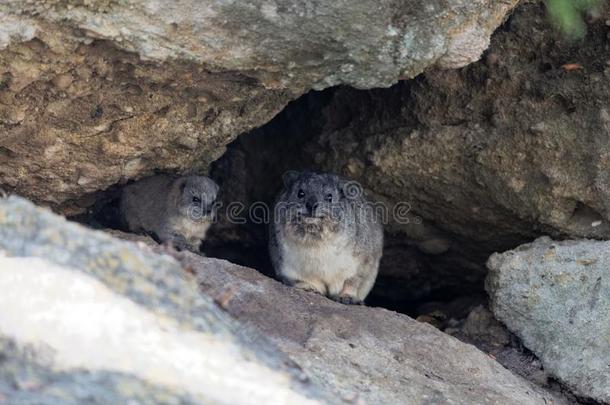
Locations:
(311, 205)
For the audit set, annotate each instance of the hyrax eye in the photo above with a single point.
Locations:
(329, 197)
(300, 193)
(196, 200)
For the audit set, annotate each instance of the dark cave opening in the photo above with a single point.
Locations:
(250, 172)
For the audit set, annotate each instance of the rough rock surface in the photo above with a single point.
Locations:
(481, 329)
(481, 325)
(133, 326)
(488, 157)
(495, 152)
(80, 115)
(27, 377)
(97, 93)
(556, 297)
(371, 354)
(86, 316)
(285, 43)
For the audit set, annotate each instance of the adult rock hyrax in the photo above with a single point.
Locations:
(177, 211)
(325, 237)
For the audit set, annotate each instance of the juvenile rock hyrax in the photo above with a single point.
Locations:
(178, 211)
(324, 237)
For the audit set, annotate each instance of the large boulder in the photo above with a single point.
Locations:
(97, 93)
(87, 317)
(378, 356)
(78, 113)
(556, 297)
(283, 43)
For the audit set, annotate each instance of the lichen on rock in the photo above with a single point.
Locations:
(556, 297)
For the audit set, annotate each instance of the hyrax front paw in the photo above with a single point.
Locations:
(194, 245)
(303, 285)
(179, 242)
(347, 300)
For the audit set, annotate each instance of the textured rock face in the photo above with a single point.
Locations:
(489, 156)
(78, 116)
(371, 354)
(97, 93)
(497, 151)
(88, 316)
(134, 327)
(556, 297)
(285, 43)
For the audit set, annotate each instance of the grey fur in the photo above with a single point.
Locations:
(330, 247)
(167, 208)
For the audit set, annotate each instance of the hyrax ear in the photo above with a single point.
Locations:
(290, 177)
(181, 183)
(215, 187)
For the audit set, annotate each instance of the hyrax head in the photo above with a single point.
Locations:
(316, 204)
(197, 195)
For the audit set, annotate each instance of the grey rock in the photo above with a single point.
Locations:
(433, 144)
(139, 85)
(366, 354)
(80, 115)
(88, 316)
(492, 337)
(556, 297)
(481, 325)
(288, 43)
(26, 379)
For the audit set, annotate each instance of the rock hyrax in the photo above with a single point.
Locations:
(178, 211)
(324, 237)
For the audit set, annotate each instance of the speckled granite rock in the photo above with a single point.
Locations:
(106, 319)
(556, 297)
(138, 85)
